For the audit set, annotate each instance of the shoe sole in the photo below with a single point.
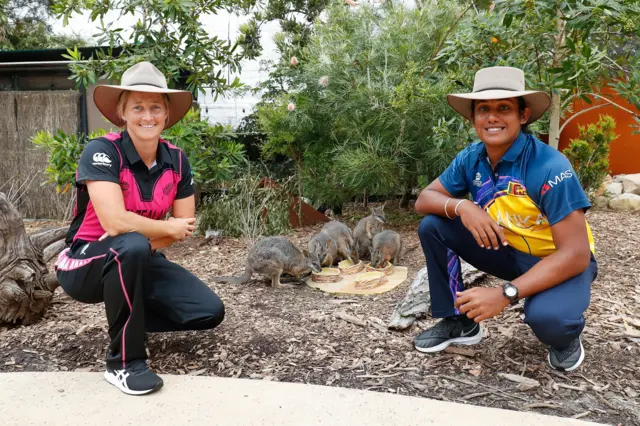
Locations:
(574, 366)
(471, 340)
(115, 382)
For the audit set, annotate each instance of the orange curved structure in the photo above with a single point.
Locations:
(624, 156)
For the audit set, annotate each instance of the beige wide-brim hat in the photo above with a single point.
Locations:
(142, 77)
(500, 83)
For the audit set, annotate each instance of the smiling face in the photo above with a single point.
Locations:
(145, 114)
(498, 121)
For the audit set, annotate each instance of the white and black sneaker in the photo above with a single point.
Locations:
(569, 358)
(135, 379)
(459, 329)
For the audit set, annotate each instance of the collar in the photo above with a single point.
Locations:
(512, 153)
(163, 155)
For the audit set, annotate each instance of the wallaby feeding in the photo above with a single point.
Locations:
(322, 249)
(341, 234)
(366, 229)
(272, 257)
(387, 247)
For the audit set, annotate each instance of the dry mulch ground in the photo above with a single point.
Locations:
(293, 334)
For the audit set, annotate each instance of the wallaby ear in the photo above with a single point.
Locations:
(384, 204)
(329, 241)
(305, 252)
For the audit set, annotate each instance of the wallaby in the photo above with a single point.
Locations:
(387, 247)
(322, 249)
(366, 229)
(341, 234)
(272, 257)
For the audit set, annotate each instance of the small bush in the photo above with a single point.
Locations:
(589, 154)
(64, 152)
(213, 154)
(248, 209)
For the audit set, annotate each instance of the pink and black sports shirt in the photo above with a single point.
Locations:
(147, 192)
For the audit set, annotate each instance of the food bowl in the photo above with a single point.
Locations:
(327, 275)
(348, 268)
(387, 268)
(370, 280)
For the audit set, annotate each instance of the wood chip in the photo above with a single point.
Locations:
(476, 395)
(350, 318)
(541, 405)
(581, 415)
(524, 383)
(462, 351)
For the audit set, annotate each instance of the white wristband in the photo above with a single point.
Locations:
(445, 208)
(456, 209)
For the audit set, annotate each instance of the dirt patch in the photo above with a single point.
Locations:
(293, 334)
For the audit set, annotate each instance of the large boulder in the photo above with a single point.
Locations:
(631, 184)
(626, 202)
(601, 202)
(614, 188)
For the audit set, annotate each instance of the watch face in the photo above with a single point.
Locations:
(510, 291)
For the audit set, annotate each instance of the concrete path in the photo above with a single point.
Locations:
(87, 399)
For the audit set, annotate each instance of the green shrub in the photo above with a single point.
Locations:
(248, 209)
(212, 152)
(589, 154)
(64, 152)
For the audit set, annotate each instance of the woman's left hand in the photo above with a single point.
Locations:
(481, 303)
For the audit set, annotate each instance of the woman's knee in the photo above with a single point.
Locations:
(132, 244)
(429, 225)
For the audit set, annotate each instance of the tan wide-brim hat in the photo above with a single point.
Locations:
(142, 77)
(500, 83)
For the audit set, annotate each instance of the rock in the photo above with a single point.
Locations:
(417, 301)
(618, 178)
(607, 179)
(614, 188)
(631, 184)
(625, 202)
(601, 202)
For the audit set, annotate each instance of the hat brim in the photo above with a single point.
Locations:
(106, 99)
(538, 102)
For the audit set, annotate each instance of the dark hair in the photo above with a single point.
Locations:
(521, 106)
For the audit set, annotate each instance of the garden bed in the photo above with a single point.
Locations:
(297, 334)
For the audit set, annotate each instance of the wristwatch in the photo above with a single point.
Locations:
(510, 291)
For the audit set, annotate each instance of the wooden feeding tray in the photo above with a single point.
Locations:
(370, 280)
(327, 275)
(348, 268)
(387, 269)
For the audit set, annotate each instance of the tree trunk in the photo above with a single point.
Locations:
(556, 95)
(26, 286)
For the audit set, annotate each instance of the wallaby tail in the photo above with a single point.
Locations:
(236, 280)
(410, 249)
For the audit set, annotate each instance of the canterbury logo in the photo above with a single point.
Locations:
(100, 158)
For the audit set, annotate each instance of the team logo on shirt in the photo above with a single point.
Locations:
(516, 189)
(167, 189)
(125, 188)
(101, 159)
(478, 180)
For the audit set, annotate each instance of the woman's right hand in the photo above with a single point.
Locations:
(485, 230)
(181, 228)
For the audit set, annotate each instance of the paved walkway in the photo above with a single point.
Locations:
(87, 399)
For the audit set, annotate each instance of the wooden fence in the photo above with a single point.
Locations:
(22, 115)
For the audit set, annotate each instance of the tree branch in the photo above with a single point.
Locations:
(609, 102)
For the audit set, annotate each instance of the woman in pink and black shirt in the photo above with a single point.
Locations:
(126, 183)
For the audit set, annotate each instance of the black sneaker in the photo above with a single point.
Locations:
(135, 379)
(459, 329)
(569, 358)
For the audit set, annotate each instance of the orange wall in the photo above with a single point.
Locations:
(624, 156)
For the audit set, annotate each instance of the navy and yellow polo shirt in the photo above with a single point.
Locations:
(531, 188)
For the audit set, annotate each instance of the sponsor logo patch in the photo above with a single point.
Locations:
(101, 159)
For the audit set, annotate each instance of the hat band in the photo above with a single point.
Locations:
(147, 84)
(496, 88)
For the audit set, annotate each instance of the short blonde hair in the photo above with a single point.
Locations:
(122, 102)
